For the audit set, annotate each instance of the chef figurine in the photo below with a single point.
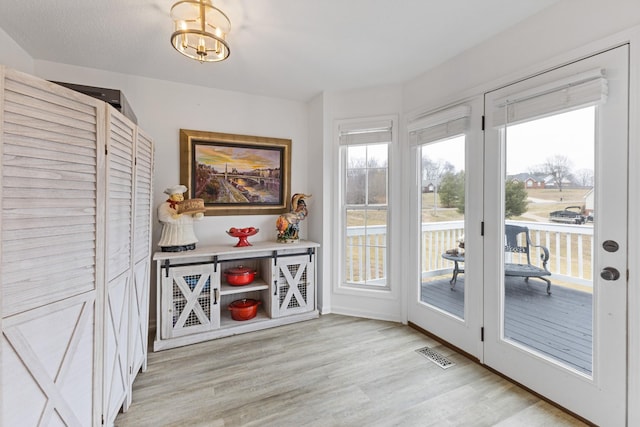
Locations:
(177, 228)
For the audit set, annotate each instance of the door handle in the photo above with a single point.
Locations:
(610, 273)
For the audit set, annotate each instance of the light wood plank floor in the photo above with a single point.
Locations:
(333, 371)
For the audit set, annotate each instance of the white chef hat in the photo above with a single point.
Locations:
(176, 189)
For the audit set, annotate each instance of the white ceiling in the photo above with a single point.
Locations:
(289, 49)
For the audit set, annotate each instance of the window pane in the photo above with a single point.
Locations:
(377, 186)
(377, 155)
(356, 186)
(354, 246)
(365, 199)
(356, 156)
(442, 225)
(548, 195)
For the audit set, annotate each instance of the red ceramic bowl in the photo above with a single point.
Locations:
(244, 309)
(239, 276)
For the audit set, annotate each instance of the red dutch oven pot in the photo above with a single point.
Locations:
(244, 309)
(239, 276)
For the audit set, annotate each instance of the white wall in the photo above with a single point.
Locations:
(163, 108)
(568, 25)
(12, 55)
(319, 177)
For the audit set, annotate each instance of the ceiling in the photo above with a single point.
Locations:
(291, 49)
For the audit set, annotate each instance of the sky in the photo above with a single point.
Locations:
(529, 144)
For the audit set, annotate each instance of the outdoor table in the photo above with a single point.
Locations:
(457, 260)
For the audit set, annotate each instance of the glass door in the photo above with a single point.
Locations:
(555, 245)
(448, 284)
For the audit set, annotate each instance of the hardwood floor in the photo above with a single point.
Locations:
(332, 371)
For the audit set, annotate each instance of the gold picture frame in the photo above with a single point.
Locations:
(236, 174)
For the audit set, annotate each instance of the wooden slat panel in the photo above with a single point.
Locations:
(143, 197)
(48, 164)
(72, 247)
(40, 291)
(21, 171)
(14, 105)
(39, 148)
(65, 259)
(54, 142)
(57, 184)
(34, 126)
(120, 196)
(44, 203)
(38, 241)
(49, 192)
(29, 235)
(73, 103)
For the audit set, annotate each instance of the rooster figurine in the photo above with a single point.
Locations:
(288, 224)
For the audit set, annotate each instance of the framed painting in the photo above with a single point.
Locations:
(236, 174)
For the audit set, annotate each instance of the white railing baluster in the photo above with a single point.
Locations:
(580, 260)
(568, 255)
(557, 253)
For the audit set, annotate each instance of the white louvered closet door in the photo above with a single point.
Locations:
(119, 222)
(51, 152)
(139, 331)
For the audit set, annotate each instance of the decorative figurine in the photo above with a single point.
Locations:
(288, 224)
(177, 220)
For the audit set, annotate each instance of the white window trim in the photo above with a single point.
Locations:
(392, 288)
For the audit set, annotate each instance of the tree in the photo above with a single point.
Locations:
(452, 189)
(433, 172)
(584, 177)
(559, 167)
(515, 199)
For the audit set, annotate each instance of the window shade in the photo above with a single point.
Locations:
(443, 124)
(579, 91)
(366, 132)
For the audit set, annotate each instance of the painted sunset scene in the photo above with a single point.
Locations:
(231, 174)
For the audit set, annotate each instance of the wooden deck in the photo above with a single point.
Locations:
(558, 325)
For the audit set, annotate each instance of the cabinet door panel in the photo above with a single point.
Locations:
(116, 369)
(139, 325)
(47, 364)
(190, 296)
(294, 280)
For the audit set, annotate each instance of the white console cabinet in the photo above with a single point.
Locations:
(193, 296)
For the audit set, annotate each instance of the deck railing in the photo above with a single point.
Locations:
(570, 248)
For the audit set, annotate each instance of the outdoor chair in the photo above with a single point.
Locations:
(517, 241)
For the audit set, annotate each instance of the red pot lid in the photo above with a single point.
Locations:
(243, 303)
(239, 271)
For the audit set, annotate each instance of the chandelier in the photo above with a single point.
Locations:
(200, 30)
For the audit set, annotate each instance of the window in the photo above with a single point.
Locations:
(364, 203)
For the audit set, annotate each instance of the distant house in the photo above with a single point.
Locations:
(549, 182)
(530, 180)
(589, 201)
(428, 187)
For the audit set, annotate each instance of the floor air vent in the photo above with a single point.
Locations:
(435, 357)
